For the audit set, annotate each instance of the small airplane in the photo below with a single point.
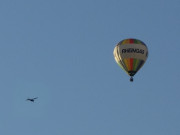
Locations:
(32, 99)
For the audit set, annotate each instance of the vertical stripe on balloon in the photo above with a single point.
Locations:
(136, 63)
(123, 65)
(125, 42)
(131, 41)
(140, 65)
(136, 41)
(126, 64)
(131, 64)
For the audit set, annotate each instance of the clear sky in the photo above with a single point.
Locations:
(62, 52)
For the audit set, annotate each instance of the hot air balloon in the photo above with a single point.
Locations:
(130, 55)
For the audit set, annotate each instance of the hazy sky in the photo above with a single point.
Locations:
(62, 52)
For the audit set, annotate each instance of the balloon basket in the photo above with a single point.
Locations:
(131, 79)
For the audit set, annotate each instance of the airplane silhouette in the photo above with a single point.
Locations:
(32, 99)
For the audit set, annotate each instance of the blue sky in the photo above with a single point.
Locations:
(62, 52)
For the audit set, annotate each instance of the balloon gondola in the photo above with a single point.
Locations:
(131, 79)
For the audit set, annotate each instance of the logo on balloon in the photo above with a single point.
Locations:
(133, 50)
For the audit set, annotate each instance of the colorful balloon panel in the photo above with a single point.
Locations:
(131, 41)
(130, 54)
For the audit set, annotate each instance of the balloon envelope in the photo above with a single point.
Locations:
(130, 55)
